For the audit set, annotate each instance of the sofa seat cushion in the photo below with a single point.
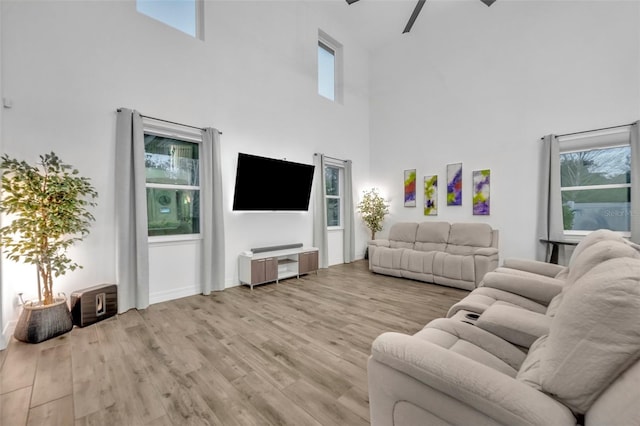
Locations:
(454, 267)
(597, 321)
(417, 265)
(473, 343)
(432, 236)
(482, 298)
(417, 261)
(385, 260)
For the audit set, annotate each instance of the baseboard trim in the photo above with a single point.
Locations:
(5, 337)
(177, 293)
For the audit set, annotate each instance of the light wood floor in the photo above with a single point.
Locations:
(291, 353)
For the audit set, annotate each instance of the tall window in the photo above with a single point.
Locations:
(329, 67)
(173, 185)
(595, 186)
(333, 193)
(184, 15)
(326, 71)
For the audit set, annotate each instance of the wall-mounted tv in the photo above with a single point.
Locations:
(268, 184)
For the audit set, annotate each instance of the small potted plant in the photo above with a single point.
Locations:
(48, 208)
(373, 209)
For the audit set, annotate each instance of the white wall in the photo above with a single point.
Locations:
(5, 312)
(481, 85)
(69, 65)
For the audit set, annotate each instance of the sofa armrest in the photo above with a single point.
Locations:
(464, 382)
(516, 325)
(379, 243)
(486, 251)
(534, 266)
(540, 289)
(485, 260)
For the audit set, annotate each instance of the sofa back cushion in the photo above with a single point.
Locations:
(593, 238)
(403, 235)
(465, 238)
(594, 254)
(594, 337)
(598, 253)
(432, 236)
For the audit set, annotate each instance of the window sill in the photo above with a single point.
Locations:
(174, 239)
(581, 234)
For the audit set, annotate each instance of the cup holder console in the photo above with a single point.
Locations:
(467, 317)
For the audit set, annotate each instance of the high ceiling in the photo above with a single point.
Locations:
(372, 22)
(377, 22)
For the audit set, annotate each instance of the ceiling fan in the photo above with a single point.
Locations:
(417, 10)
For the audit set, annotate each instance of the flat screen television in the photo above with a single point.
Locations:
(268, 184)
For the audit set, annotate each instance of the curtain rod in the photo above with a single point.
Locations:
(594, 130)
(332, 158)
(168, 121)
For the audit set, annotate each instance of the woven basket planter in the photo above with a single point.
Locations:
(38, 323)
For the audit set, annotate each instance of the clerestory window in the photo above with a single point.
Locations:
(184, 15)
(329, 68)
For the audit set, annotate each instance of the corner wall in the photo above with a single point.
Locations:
(69, 65)
(481, 85)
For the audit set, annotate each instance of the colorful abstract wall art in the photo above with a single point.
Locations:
(481, 187)
(410, 188)
(454, 184)
(431, 195)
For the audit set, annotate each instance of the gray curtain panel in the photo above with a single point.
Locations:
(212, 225)
(635, 181)
(320, 236)
(550, 224)
(349, 238)
(132, 250)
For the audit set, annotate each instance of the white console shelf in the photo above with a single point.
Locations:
(269, 266)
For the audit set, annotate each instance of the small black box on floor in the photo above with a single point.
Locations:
(94, 304)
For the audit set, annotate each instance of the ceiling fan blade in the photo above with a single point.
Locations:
(487, 2)
(414, 15)
(353, 1)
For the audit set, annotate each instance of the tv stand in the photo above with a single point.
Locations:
(276, 265)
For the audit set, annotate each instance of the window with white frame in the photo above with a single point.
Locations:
(326, 71)
(172, 168)
(329, 67)
(595, 180)
(184, 15)
(333, 192)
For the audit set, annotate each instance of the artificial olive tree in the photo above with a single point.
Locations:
(47, 205)
(373, 209)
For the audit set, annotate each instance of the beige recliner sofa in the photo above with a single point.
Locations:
(455, 255)
(584, 369)
(532, 284)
